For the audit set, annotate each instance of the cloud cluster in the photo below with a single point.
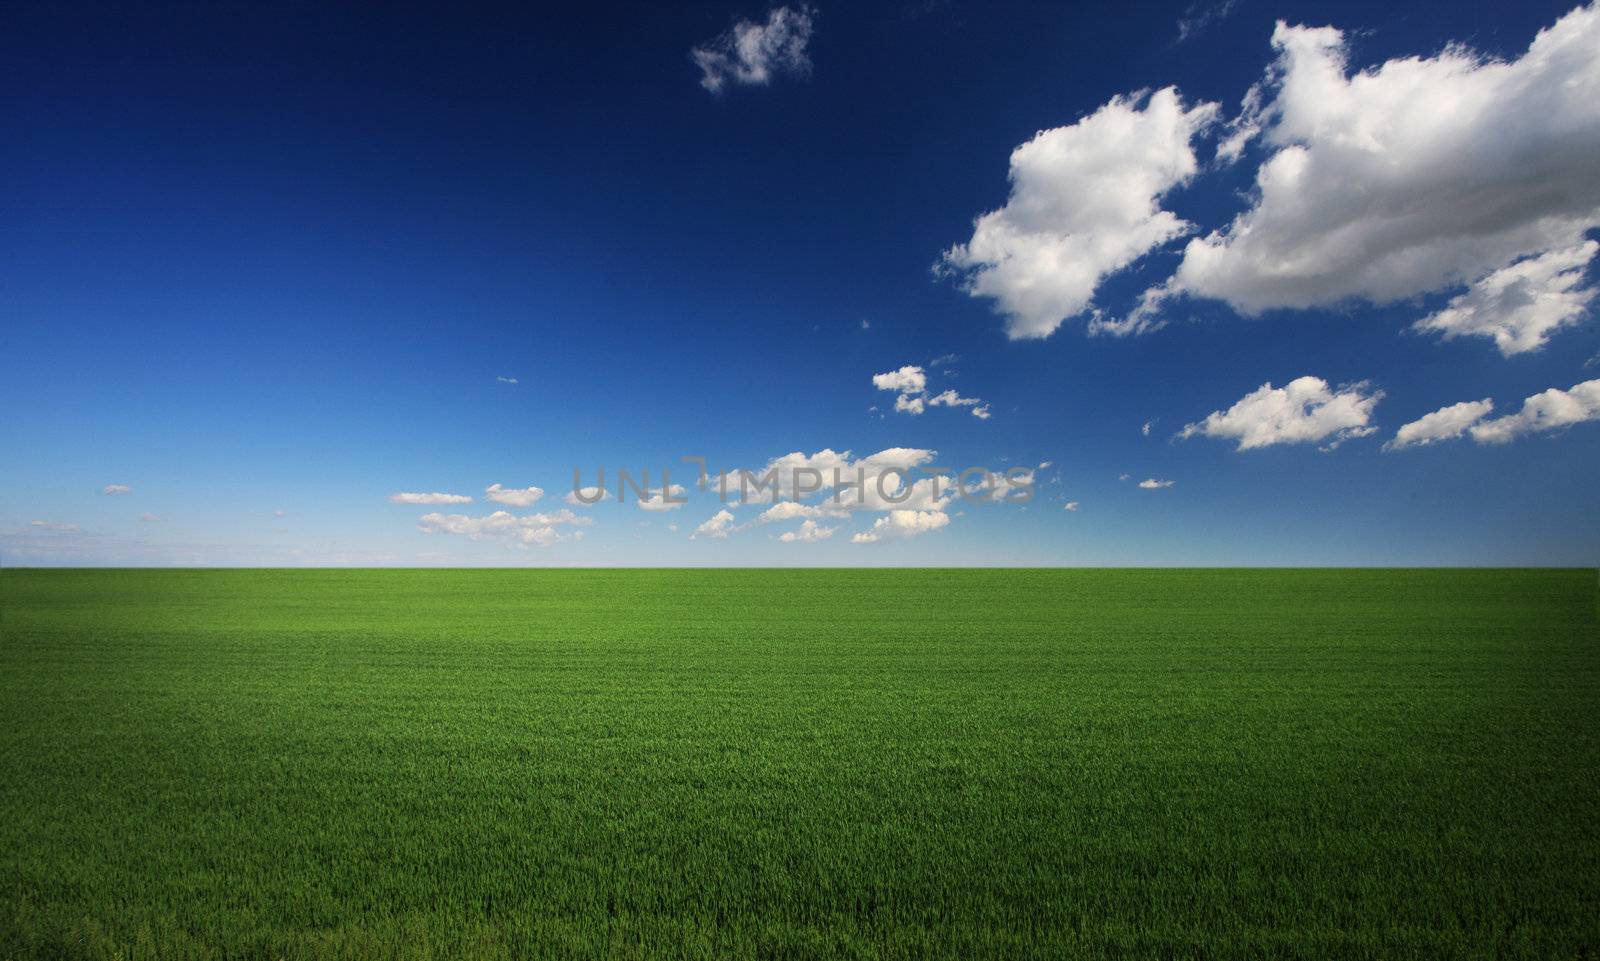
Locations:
(751, 54)
(840, 485)
(1306, 410)
(910, 384)
(1452, 172)
(808, 532)
(1414, 176)
(536, 530)
(412, 497)
(900, 524)
(1084, 203)
(1541, 413)
(669, 499)
(513, 496)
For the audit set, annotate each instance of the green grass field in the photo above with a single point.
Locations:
(830, 763)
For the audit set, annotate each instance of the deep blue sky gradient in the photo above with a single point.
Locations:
(264, 257)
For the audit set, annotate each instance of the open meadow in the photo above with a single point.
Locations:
(799, 763)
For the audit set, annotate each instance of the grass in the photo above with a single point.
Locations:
(741, 763)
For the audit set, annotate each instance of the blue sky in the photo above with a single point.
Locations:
(267, 267)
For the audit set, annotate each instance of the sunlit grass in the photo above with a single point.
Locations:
(1005, 764)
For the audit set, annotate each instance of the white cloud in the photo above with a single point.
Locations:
(949, 398)
(1145, 430)
(1084, 204)
(1446, 423)
(1015, 486)
(407, 497)
(717, 527)
(1305, 410)
(909, 403)
(537, 530)
(673, 528)
(506, 380)
(907, 380)
(1419, 175)
(1520, 306)
(911, 386)
(793, 469)
(1151, 484)
(753, 53)
(657, 500)
(899, 524)
(1550, 410)
(55, 527)
(1070, 506)
(594, 495)
(116, 489)
(150, 518)
(789, 510)
(279, 513)
(513, 496)
(808, 532)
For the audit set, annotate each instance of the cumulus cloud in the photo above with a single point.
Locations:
(116, 489)
(789, 510)
(717, 527)
(658, 500)
(591, 495)
(1547, 411)
(535, 530)
(899, 524)
(907, 380)
(1084, 203)
(808, 532)
(1419, 175)
(910, 384)
(1520, 306)
(824, 470)
(1151, 484)
(751, 54)
(1070, 506)
(513, 496)
(1446, 423)
(1306, 410)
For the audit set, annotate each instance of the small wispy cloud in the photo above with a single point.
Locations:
(1151, 484)
(150, 518)
(1198, 16)
(751, 54)
(116, 489)
(55, 526)
(1070, 506)
(506, 380)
